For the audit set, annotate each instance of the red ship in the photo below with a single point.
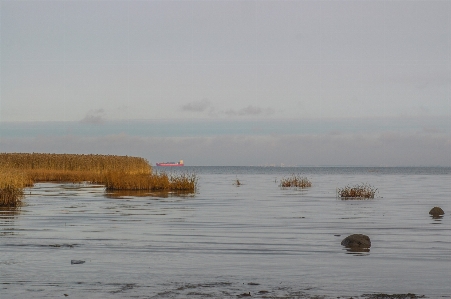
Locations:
(180, 163)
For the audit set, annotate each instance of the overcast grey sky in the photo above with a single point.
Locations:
(100, 61)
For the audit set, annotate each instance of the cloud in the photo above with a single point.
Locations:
(250, 111)
(199, 106)
(94, 117)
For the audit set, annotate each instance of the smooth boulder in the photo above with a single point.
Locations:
(436, 211)
(356, 241)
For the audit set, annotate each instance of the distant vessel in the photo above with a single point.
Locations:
(180, 163)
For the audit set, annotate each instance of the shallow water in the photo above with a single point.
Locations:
(226, 240)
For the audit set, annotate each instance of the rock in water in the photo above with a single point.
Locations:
(436, 211)
(356, 241)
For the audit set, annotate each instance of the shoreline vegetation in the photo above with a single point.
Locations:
(20, 170)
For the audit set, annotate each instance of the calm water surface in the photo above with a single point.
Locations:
(226, 240)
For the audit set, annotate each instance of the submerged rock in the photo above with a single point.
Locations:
(436, 211)
(356, 241)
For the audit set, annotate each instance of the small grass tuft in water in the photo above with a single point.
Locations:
(295, 180)
(362, 191)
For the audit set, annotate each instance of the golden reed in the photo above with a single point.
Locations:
(295, 181)
(115, 172)
(151, 182)
(12, 183)
(362, 191)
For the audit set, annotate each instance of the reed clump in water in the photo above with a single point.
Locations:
(183, 182)
(12, 183)
(295, 180)
(362, 191)
(150, 182)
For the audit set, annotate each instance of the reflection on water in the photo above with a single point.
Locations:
(357, 251)
(9, 213)
(121, 194)
(229, 242)
(437, 219)
(7, 217)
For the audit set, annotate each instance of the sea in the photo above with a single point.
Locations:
(254, 239)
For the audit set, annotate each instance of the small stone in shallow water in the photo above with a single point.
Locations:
(356, 241)
(76, 262)
(436, 211)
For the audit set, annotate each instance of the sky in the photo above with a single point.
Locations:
(229, 82)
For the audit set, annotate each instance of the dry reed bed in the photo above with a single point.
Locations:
(362, 191)
(73, 162)
(19, 170)
(295, 180)
(11, 187)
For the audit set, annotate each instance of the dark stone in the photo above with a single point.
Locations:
(356, 241)
(436, 211)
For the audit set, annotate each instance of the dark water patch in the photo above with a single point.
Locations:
(123, 287)
(392, 296)
(198, 294)
(35, 290)
(64, 245)
(5, 234)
